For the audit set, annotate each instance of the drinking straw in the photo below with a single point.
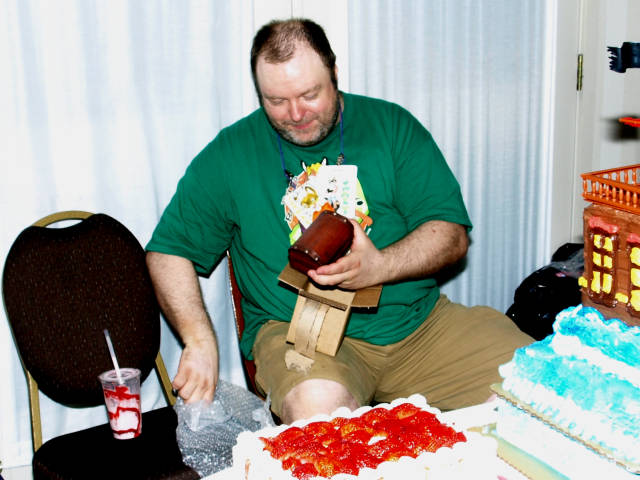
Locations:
(113, 355)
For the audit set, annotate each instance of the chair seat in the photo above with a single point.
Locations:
(94, 453)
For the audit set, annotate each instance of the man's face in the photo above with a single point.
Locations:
(298, 96)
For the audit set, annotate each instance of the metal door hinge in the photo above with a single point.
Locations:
(579, 74)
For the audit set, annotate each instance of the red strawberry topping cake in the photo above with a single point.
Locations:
(405, 437)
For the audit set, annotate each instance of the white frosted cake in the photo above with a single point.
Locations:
(573, 399)
(403, 439)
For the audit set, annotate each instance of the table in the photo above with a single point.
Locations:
(476, 416)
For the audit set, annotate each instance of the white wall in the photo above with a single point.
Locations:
(606, 96)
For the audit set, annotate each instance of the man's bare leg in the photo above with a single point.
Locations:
(315, 396)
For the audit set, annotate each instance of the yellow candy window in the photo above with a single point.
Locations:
(595, 282)
(597, 259)
(597, 240)
(607, 281)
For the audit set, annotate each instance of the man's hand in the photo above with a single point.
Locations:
(197, 375)
(360, 268)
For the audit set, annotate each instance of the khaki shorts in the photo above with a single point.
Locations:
(451, 359)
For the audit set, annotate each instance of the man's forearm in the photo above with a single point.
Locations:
(178, 292)
(425, 251)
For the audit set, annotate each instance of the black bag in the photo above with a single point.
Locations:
(548, 291)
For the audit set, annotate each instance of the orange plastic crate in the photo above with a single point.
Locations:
(616, 187)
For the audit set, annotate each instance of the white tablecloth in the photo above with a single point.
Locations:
(463, 419)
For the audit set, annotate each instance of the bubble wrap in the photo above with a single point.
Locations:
(206, 433)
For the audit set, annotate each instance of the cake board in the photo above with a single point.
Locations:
(519, 458)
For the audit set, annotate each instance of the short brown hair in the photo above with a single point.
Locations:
(277, 42)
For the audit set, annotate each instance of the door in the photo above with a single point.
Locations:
(588, 135)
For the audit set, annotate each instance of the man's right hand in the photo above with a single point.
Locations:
(197, 375)
(178, 292)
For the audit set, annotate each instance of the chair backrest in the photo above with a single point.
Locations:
(236, 297)
(62, 288)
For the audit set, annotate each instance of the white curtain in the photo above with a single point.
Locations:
(103, 104)
(476, 73)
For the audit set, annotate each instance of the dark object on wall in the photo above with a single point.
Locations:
(627, 56)
(326, 240)
(548, 291)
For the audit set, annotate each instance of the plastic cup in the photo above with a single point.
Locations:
(123, 402)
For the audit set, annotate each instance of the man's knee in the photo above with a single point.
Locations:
(315, 396)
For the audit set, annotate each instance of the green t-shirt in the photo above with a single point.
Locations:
(231, 198)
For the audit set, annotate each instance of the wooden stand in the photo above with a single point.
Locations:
(320, 316)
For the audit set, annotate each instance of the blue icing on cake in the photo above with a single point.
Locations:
(577, 380)
(613, 337)
(599, 405)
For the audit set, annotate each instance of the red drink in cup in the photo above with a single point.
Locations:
(123, 402)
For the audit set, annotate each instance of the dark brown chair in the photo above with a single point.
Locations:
(249, 366)
(62, 287)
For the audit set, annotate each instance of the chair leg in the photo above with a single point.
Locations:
(163, 375)
(34, 406)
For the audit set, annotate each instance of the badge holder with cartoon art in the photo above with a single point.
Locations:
(320, 316)
(318, 203)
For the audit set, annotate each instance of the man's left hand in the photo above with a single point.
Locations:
(362, 267)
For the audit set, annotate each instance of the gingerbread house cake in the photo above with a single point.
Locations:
(611, 279)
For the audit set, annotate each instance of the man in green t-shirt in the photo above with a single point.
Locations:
(242, 194)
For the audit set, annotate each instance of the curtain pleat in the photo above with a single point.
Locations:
(474, 73)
